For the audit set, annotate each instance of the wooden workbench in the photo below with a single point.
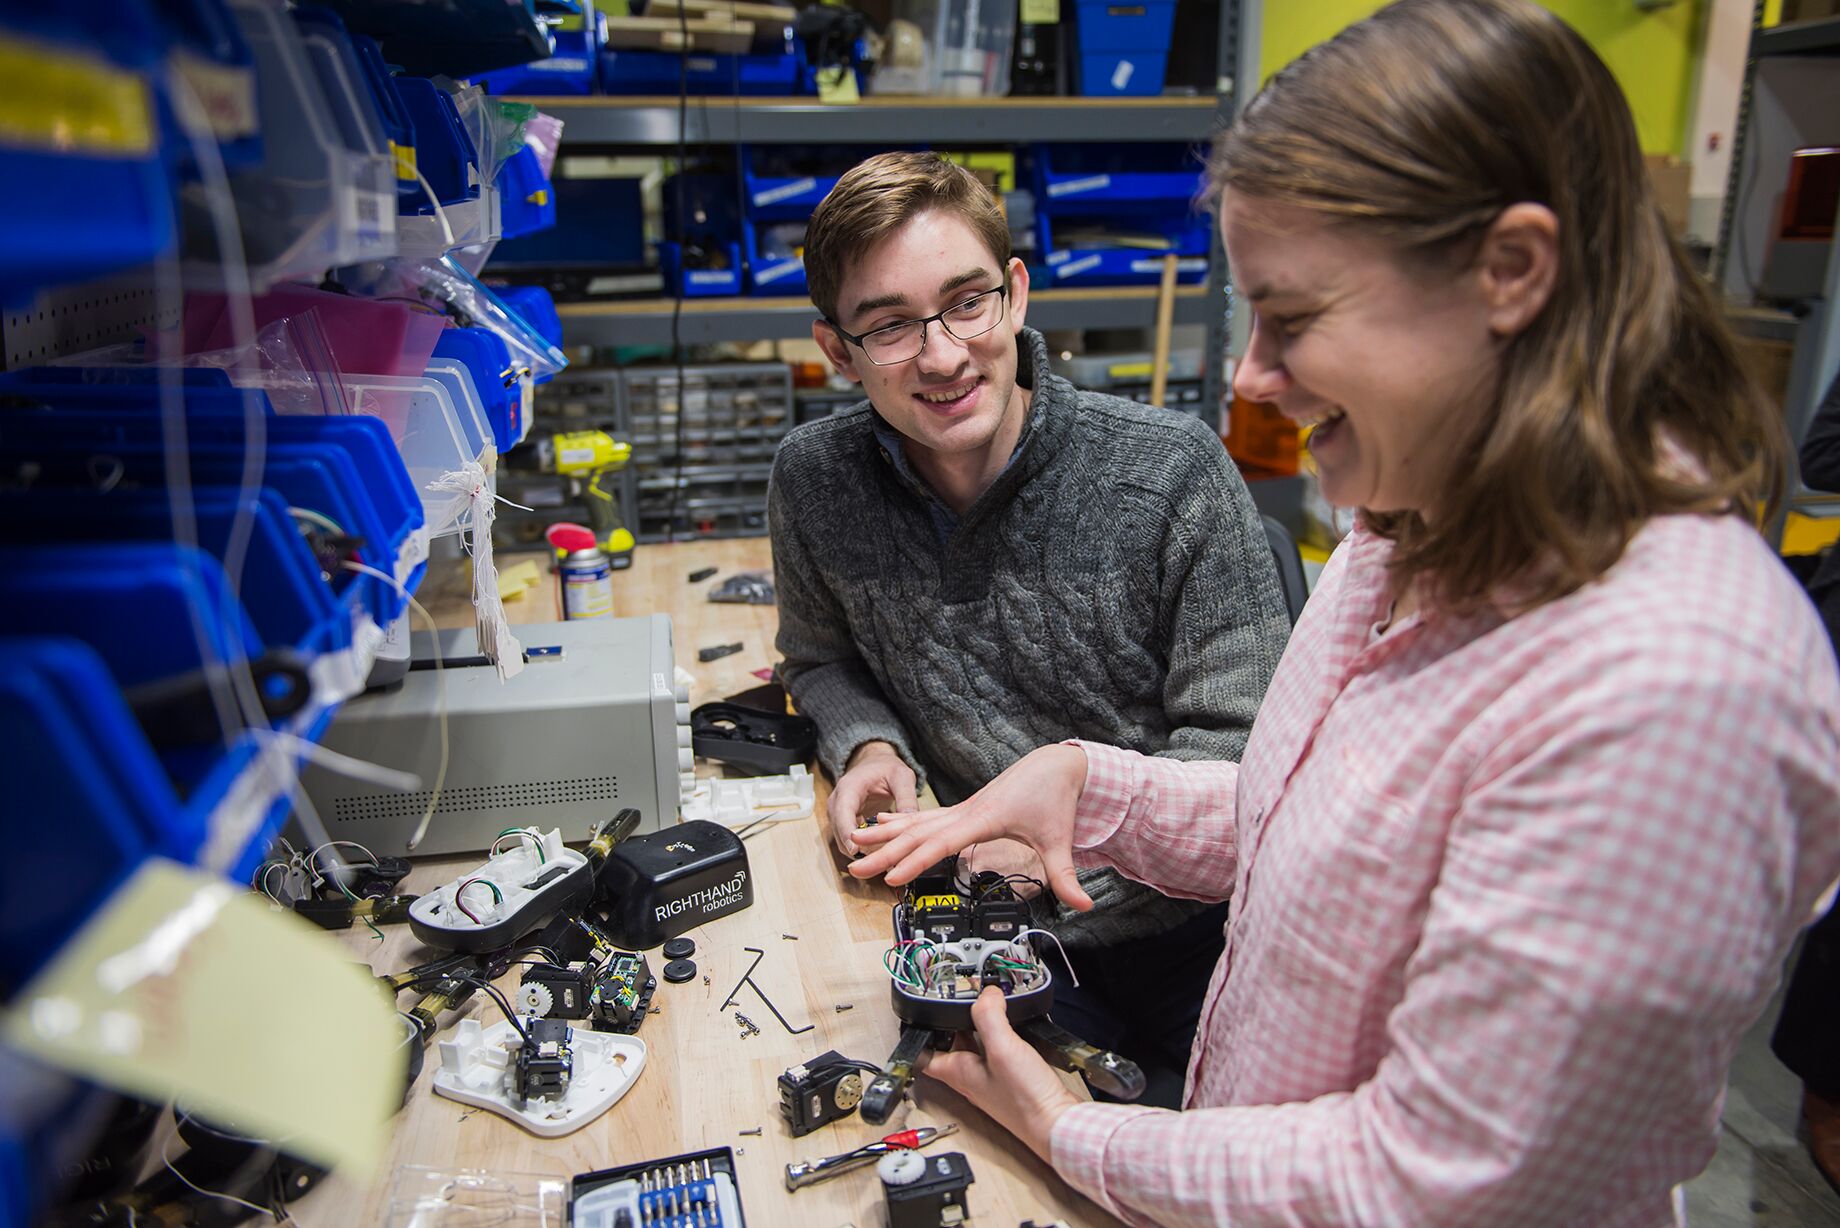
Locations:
(823, 934)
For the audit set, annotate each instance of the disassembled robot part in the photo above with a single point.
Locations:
(817, 1092)
(925, 1191)
(953, 940)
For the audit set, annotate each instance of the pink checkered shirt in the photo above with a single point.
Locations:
(1505, 895)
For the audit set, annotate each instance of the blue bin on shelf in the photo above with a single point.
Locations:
(287, 600)
(1124, 46)
(139, 607)
(527, 203)
(320, 478)
(92, 193)
(571, 67)
(1087, 180)
(699, 283)
(1125, 25)
(91, 802)
(777, 275)
(353, 465)
(661, 72)
(396, 122)
(485, 354)
(444, 153)
(215, 411)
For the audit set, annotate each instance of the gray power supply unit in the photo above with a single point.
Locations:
(593, 724)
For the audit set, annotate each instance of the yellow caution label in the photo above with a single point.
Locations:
(1130, 370)
(404, 156)
(67, 103)
(1041, 12)
(939, 901)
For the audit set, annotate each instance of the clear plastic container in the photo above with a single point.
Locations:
(968, 44)
(303, 208)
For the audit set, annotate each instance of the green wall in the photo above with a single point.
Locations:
(1653, 55)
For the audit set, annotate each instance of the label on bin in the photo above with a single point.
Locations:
(1074, 268)
(1092, 183)
(785, 191)
(1121, 75)
(774, 272)
(1190, 265)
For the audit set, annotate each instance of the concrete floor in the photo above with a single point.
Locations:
(1762, 1176)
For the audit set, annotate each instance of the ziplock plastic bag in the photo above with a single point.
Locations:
(543, 133)
(447, 284)
(300, 374)
(289, 357)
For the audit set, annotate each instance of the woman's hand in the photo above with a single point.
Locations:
(1005, 1077)
(1033, 801)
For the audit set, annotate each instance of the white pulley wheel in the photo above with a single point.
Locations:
(901, 1167)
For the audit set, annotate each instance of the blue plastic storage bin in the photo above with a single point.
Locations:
(396, 123)
(570, 69)
(699, 283)
(320, 478)
(1130, 25)
(215, 411)
(660, 72)
(784, 275)
(366, 460)
(444, 153)
(485, 354)
(1105, 180)
(88, 798)
(526, 201)
(287, 600)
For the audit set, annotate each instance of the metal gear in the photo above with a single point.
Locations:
(535, 997)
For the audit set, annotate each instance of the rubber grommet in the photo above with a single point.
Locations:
(679, 970)
(679, 948)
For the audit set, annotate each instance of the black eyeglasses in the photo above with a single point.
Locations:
(965, 320)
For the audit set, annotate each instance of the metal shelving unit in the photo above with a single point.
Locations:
(878, 121)
(1791, 98)
(1820, 37)
(706, 321)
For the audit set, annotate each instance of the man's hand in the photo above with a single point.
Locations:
(875, 779)
(1005, 1077)
(1032, 801)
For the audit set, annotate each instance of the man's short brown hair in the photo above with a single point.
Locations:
(878, 196)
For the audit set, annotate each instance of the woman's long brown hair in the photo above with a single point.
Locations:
(1420, 125)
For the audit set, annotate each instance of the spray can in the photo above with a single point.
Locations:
(587, 584)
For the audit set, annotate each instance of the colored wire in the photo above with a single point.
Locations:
(323, 521)
(530, 834)
(497, 895)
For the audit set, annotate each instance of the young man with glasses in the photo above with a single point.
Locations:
(980, 559)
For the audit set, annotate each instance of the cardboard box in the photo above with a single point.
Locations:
(1673, 184)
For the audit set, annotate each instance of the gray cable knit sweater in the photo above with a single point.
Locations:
(1114, 583)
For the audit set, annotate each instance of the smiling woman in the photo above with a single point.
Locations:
(1578, 376)
(1545, 783)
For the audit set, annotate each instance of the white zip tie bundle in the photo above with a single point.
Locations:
(475, 481)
